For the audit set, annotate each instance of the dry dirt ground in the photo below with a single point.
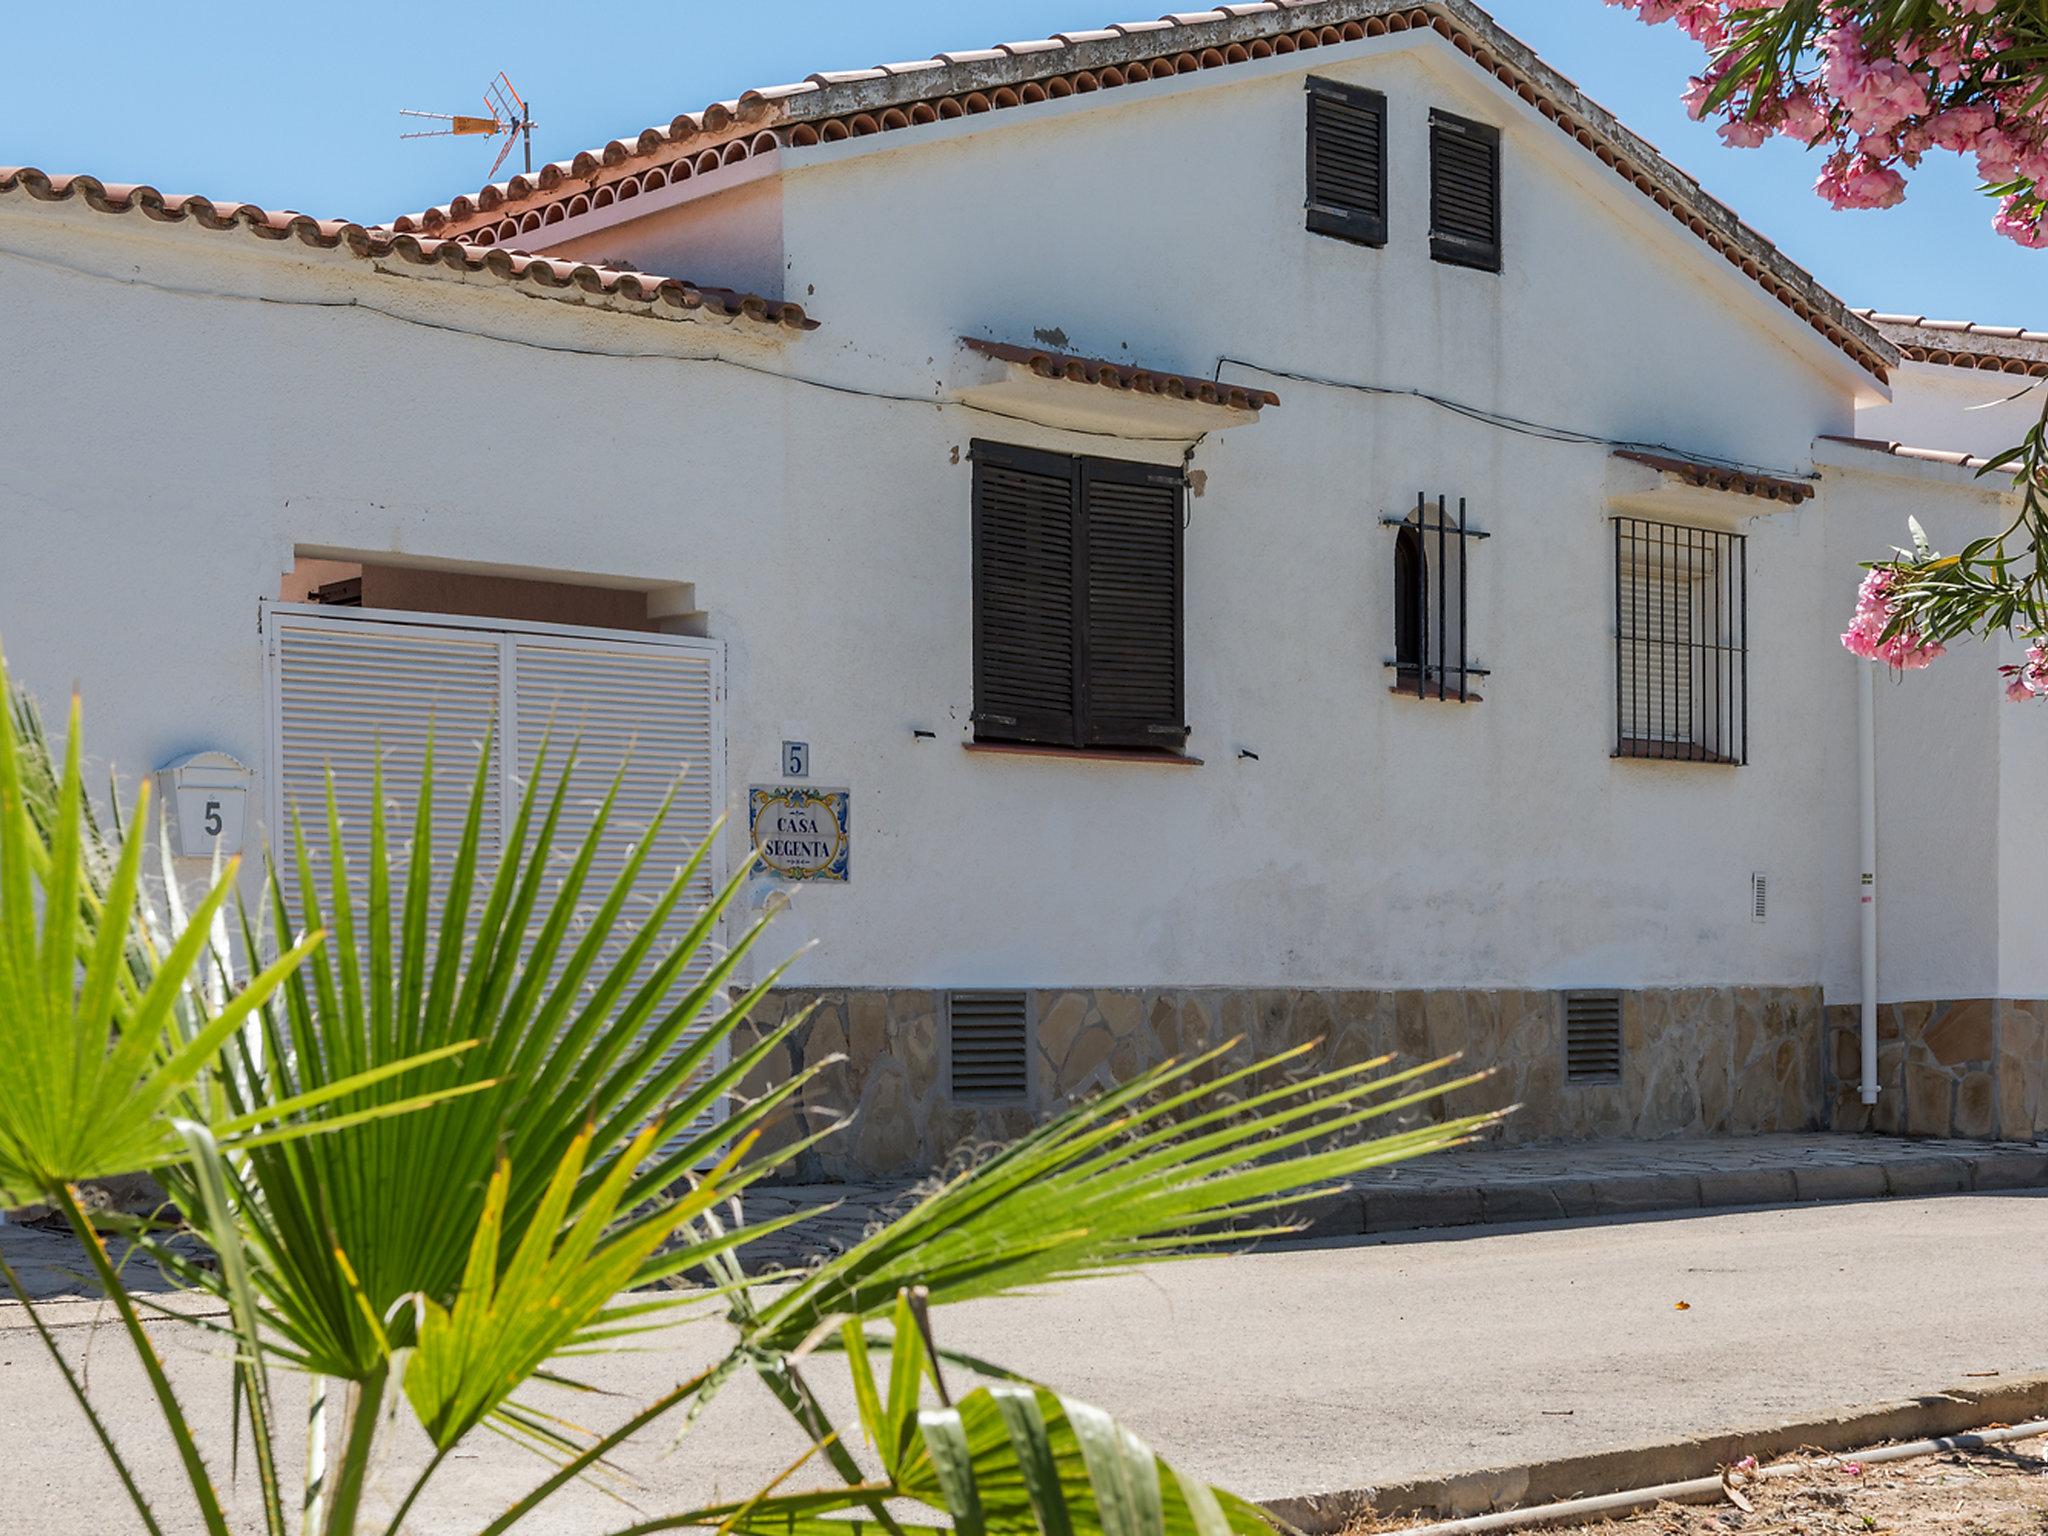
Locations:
(2001, 1492)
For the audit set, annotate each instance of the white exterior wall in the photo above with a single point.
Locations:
(1952, 791)
(186, 446)
(1376, 841)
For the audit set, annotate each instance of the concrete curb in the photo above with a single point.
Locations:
(1473, 1493)
(1377, 1207)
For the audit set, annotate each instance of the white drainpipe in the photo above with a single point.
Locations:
(1866, 885)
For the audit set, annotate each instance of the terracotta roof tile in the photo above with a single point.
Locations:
(659, 294)
(1723, 477)
(1101, 371)
(1901, 451)
(1965, 343)
(957, 84)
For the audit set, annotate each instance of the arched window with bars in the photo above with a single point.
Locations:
(1432, 585)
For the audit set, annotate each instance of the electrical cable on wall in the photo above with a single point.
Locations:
(1508, 423)
(1190, 440)
(1498, 419)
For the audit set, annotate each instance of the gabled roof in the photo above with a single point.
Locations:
(636, 291)
(1965, 343)
(891, 97)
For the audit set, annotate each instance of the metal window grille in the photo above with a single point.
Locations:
(1681, 665)
(1432, 591)
(988, 1037)
(1592, 1037)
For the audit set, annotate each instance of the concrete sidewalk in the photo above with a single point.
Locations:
(1511, 1183)
(1314, 1369)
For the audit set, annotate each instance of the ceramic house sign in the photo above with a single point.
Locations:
(801, 833)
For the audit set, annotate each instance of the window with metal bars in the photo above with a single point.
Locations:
(1077, 601)
(1681, 664)
(1432, 586)
(1347, 162)
(1464, 192)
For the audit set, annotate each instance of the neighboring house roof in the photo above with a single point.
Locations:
(854, 103)
(1123, 376)
(1723, 477)
(562, 279)
(1901, 451)
(1965, 343)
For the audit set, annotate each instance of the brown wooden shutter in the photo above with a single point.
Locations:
(1132, 693)
(1026, 596)
(1347, 162)
(1464, 192)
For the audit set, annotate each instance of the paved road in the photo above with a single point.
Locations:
(1314, 1369)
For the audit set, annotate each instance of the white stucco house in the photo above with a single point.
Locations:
(1285, 521)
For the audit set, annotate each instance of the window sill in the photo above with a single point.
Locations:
(1432, 697)
(1410, 680)
(1082, 754)
(1674, 752)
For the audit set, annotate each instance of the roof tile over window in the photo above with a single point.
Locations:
(1123, 376)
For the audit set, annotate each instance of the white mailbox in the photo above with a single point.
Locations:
(205, 796)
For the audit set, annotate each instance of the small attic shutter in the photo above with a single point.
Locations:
(1132, 694)
(1347, 162)
(1464, 192)
(1025, 564)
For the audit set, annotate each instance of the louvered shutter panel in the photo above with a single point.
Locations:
(643, 711)
(1132, 685)
(345, 686)
(1658, 624)
(347, 689)
(1464, 192)
(1347, 162)
(1025, 598)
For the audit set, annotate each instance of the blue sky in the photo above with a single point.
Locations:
(297, 106)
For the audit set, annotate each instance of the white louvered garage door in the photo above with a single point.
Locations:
(645, 707)
(648, 714)
(343, 691)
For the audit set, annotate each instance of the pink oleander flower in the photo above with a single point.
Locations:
(2028, 680)
(1946, 82)
(2025, 225)
(1859, 181)
(1905, 651)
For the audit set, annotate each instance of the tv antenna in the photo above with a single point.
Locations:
(510, 114)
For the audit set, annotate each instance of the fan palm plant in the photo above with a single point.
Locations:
(569, 1074)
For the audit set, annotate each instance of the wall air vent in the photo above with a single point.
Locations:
(988, 1036)
(1592, 1037)
(1759, 897)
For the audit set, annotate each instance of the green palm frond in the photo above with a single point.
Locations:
(1174, 1161)
(599, 1029)
(102, 1038)
(559, 1288)
(1009, 1459)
